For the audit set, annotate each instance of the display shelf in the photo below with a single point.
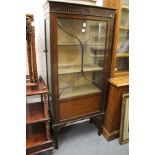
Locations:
(29, 84)
(35, 140)
(125, 54)
(38, 145)
(77, 68)
(98, 48)
(41, 89)
(35, 113)
(95, 25)
(68, 44)
(125, 7)
(73, 44)
(79, 90)
(119, 82)
(124, 28)
(35, 137)
(96, 56)
(121, 73)
(45, 151)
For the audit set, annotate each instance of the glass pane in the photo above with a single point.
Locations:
(124, 17)
(81, 46)
(126, 2)
(123, 45)
(122, 64)
(122, 56)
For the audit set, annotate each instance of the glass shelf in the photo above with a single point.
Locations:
(80, 90)
(125, 7)
(124, 28)
(78, 44)
(125, 54)
(77, 68)
(96, 56)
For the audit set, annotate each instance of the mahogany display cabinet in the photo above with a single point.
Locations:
(78, 47)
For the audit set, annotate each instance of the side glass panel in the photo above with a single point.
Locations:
(81, 47)
(122, 60)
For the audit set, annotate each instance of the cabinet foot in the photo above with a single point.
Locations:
(99, 132)
(91, 121)
(56, 137)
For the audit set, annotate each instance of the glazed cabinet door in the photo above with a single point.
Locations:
(122, 56)
(81, 47)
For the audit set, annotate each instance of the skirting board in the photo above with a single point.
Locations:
(110, 135)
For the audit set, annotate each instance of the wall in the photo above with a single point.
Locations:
(36, 9)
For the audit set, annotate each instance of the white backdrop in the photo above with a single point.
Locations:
(35, 7)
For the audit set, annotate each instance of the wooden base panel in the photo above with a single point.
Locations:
(80, 107)
(110, 135)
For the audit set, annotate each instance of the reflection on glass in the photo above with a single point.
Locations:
(122, 64)
(126, 2)
(123, 45)
(124, 18)
(122, 57)
(81, 47)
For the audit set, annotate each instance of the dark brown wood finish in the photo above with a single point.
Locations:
(54, 69)
(82, 106)
(78, 9)
(77, 108)
(111, 124)
(107, 61)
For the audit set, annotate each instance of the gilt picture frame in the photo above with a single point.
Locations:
(124, 127)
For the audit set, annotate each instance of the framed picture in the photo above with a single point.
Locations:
(124, 128)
